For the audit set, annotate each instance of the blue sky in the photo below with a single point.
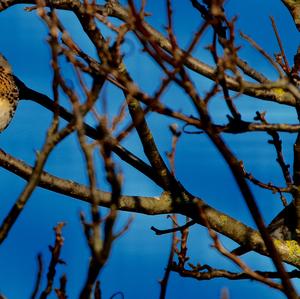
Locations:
(138, 258)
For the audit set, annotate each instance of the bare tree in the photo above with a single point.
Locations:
(231, 77)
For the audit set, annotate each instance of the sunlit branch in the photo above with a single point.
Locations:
(153, 206)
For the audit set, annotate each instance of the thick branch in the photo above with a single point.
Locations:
(219, 273)
(115, 10)
(163, 204)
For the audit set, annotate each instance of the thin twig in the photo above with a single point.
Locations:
(38, 277)
(287, 67)
(174, 229)
(55, 259)
(61, 292)
(263, 52)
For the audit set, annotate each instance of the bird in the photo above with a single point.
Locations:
(282, 227)
(9, 93)
(13, 90)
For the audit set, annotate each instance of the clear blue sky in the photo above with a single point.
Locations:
(138, 258)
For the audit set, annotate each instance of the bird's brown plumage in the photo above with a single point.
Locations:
(9, 94)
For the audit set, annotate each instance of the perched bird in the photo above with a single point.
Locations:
(9, 94)
(282, 227)
(12, 90)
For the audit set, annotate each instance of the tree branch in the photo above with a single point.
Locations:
(163, 204)
(114, 9)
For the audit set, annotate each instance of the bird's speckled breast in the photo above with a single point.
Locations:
(9, 96)
(7, 111)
